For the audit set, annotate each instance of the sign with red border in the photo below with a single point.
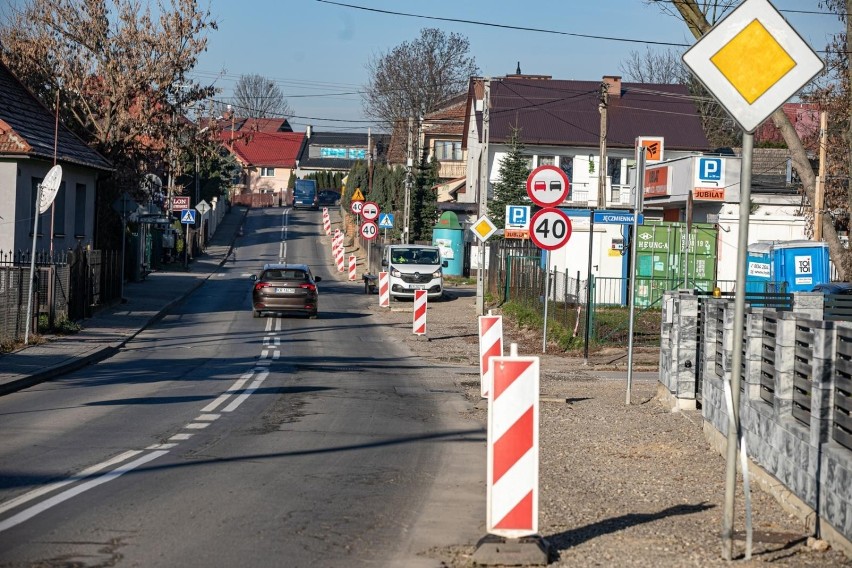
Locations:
(550, 228)
(548, 186)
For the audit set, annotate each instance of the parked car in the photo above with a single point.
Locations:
(328, 197)
(836, 288)
(285, 288)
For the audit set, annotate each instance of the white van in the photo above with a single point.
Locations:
(414, 267)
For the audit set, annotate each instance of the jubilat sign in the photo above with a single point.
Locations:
(657, 181)
(708, 194)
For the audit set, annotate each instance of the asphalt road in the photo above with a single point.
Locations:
(217, 439)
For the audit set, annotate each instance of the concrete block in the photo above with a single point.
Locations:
(809, 304)
(492, 550)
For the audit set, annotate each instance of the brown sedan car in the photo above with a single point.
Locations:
(284, 288)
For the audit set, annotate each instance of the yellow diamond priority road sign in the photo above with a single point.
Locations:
(483, 228)
(753, 61)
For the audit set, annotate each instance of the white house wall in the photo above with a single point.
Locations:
(8, 189)
(66, 237)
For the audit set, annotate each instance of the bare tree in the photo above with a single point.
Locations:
(698, 16)
(256, 96)
(413, 77)
(662, 67)
(666, 67)
(119, 71)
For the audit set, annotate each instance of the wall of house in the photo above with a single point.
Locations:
(8, 181)
(68, 228)
(276, 184)
(574, 256)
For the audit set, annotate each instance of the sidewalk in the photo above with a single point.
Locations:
(108, 330)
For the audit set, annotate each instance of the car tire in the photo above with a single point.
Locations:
(313, 315)
(255, 313)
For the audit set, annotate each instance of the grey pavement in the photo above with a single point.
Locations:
(111, 327)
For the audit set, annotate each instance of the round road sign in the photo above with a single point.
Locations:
(550, 228)
(548, 186)
(369, 230)
(356, 206)
(370, 211)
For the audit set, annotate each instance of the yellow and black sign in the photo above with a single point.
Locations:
(357, 195)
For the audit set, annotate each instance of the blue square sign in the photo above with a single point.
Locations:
(710, 172)
(517, 216)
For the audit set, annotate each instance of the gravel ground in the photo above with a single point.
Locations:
(620, 485)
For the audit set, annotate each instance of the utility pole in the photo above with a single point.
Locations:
(603, 166)
(483, 194)
(408, 181)
(819, 194)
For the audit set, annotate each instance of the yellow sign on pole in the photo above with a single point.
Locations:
(357, 195)
(753, 61)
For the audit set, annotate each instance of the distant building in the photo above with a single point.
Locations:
(267, 160)
(337, 151)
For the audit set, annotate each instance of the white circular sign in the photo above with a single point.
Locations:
(356, 207)
(369, 230)
(548, 186)
(370, 211)
(550, 228)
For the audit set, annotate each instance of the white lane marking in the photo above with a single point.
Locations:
(264, 353)
(276, 355)
(277, 324)
(207, 417)
(227, 394)
(180, 437)
(197, 425)
(264, 364)
(240, 399)
(35, 493)
(161, 447)
(271, 340)
(28, 514)
(269, 323)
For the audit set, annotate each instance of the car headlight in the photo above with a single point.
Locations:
(436, 274)
(396, 273)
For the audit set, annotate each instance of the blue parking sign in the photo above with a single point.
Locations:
(517, 216)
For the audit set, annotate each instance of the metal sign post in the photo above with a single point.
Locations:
(634, 242)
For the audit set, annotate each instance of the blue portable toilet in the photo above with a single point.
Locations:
(801, 264)
(798, 266)
(448, 236)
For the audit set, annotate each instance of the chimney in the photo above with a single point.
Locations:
(614, 85)
(308, 131)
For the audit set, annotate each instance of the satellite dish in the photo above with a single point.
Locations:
(49, 188)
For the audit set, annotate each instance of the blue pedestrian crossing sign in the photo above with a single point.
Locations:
(386, 221)
(187, 217)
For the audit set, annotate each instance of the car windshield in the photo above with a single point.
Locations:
(415, 256)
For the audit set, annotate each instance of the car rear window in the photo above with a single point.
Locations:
(285, 275)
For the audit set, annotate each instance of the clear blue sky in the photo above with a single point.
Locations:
(315, 50)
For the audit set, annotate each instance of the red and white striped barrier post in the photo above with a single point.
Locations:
(420, 301)
(384, 290)
(326, 222)
(353, 267)
(490, 345)
(339, 257)
(513, 447)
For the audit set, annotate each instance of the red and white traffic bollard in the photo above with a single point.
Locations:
(326, 222)
(384, 290)
(420, 301)
(512, 507)
(353, 267)
(490, 345)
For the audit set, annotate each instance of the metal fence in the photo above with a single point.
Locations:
(68, 285)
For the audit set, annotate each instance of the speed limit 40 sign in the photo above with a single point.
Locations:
(369, 230)
(550, 228)
(356, 207)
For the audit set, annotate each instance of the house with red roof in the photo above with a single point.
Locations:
(267, 160)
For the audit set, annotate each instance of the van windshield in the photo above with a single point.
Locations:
(414, 256)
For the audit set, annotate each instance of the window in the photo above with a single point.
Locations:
(546, 160)
(267, 172)
(80, 211)
(448, 151)
(59, 211)
(566, 163)
(528, 160)
(357, 153)
(614, 169)
(44, 218)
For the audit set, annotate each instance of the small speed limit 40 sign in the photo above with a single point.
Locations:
(369, 230)
(550, 228)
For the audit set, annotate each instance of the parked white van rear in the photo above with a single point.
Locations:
(414, 267)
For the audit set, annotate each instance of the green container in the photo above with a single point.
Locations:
(661, 256)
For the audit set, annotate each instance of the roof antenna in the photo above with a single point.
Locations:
(518, 70)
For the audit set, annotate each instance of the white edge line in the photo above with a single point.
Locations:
(35, 493)
(28, 514)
